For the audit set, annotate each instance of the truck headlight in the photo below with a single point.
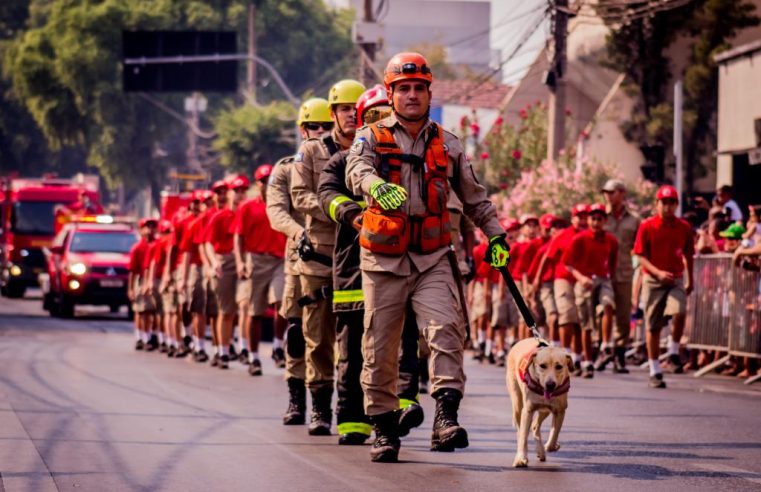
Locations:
(74, 284)
(15, 270)
(78, 268)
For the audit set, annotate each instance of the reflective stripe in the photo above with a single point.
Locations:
(340, 296)
(362, 204)
(335, 203)
(355, 428)
(404, 403)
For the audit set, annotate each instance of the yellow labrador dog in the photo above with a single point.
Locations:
(538, 379)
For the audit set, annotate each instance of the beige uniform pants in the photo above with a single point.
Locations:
(319, 334)
(434, 299)
(623, 295)
(295, 367)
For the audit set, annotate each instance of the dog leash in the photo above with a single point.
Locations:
(522, 307)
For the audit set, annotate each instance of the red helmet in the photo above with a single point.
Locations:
(262, 172)
(239, 181)
(372, 97)
(667, 191)
(407, 66)
(219, 185)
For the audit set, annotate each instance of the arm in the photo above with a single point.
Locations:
(570, 258)
(539, 273)
(240, 264)
(613, 258)
(279, 203)
(361, 174)
(214, 265)
(303, 185)
(661, 275)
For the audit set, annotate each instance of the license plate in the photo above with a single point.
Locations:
(111, 283)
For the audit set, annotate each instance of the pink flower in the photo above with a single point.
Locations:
(523, 114)
(503, 186)
(498, 121)
(568, 111)
(463, 122)
(517, 154)
(475, 129)
(484, 155)
(505, 173)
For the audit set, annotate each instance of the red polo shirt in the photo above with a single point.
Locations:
(665, 243)
(558, 245)
(252, 224)
(529, 253)
(549, 266)
(593, 254)
(188, 244)
(517, 250)
(219, 231)
(160, 251)
(137, 256)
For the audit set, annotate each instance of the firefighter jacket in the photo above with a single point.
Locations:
(343, 207)
(283, 217)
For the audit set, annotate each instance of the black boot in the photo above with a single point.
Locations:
(386, 445)
(321, 413)
(297, 403)
(410, 417)
(447, 433)
(619, 362)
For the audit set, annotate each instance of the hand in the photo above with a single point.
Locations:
(688, 286)
(242, 272)
(218, 270)
(665, 277)
(737, 256)
(471, 274)
(587, 282)
(305, 248)
(388, 195)
(498, 252)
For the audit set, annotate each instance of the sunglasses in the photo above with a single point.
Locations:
(412, 68)
(316, 126)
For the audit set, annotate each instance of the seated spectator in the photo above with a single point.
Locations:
(724, 199)
(732, 235)
(752, 229)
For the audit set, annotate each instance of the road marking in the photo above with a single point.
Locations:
(738, 472)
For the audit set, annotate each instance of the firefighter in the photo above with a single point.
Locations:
(404, 165)
(315, 248)
(313, 121)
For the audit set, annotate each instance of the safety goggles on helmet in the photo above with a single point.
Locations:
(411, 69)
(327, 126)
(376, 113)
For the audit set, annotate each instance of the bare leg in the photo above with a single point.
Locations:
(607, 324)
(586, 340)
(653, 344)
(255, 332)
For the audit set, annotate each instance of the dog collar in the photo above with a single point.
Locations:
(534, 386)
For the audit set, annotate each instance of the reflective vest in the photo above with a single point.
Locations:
(394, 232)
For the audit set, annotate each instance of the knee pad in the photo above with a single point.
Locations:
(295, 344)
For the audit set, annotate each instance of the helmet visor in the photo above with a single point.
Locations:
(412, 68)
(375, 114)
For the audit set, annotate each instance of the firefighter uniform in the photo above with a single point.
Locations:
(423, 278)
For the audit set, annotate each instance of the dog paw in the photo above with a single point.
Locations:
(520, 462)
(551, 448)
(542, 457)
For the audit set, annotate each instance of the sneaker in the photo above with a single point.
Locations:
(278, 356)
(255, 368)
(588, 372)
(501, 360)
(603, 360)
(676, 363)
(233, 352)
(163, 348)
(577, 368)
(187, 341)
(491, 358)
(243, 357)
(223, 362)
(182, 352)
(139, 345)
(215, 360)
(152, 344)
(656, 381)
(201, 356)
(170, 352)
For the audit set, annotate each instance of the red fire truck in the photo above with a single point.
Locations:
(29, 208)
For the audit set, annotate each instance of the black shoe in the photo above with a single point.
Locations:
(322, 416)
(297, 403)
(243, 357)
(215, 360)
(139, 345)
(182, 352)
(577, 368)
(386, 445)
(278, 356)
(676, 363)
(170, 352)
(657, 381)
(233, 352)
(501, 360)
(187, 341)
(619, 361)
(605, 358)
(352, 439)
(153, 343)
(201, 356)
(223, 362)
(423, 388)
(409, 418)
(255, 368)
(588, 372)
(447, 433)
(491, 358)
(163, 348)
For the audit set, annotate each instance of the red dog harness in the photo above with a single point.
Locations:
(534, 386)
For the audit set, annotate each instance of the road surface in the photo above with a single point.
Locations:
(80, 410)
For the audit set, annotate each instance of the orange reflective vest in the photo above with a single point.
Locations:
(394, 232)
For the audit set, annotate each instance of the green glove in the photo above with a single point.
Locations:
(498, 253)
(388, 195)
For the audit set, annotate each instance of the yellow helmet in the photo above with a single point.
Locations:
(345, 91)
(315, 110)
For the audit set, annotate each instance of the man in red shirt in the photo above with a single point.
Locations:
(170, 286)
(259, 254)
(155, 262)
(480, 297)
(591, 259)
(565, 299)
(540, 290)
(218, 243)
(141, 305)
(210, 199)
(505, 316)
(665, 249)
(192, 274)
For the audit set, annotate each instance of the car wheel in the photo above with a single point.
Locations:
(66, 308)
(15, 291)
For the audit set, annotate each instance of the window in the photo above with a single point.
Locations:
(102, 242)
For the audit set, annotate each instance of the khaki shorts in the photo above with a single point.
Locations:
(224, 286)
(143, 303)
(265, 286)
(291, 294)
(169, 299)
(565, 300)
(156, 299)
(662, 301)
(209, 293)
(504, 311)
(194, 291)
(587, 300)
(478, 307)
(547, 299)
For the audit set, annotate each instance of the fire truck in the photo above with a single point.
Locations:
(29, 208)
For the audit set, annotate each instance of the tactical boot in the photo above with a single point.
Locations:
(297, 403)
(619, 362)
(410, 417)
(321, 413)
(447, 433)
(386, 445)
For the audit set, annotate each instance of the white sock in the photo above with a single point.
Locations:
(276, 343)
(242, 344)
(144, 336)
(481, 336)
(576, 358)
(488, 346)
(161, 337)
(137, 335)
(655, 366)
(510, 341)
(674, 348)
(607, 345)
(588, 364)
(252, 356)
(223, 350)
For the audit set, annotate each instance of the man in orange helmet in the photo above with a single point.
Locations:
(404, 165)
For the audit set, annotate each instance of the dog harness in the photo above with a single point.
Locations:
(534, 386)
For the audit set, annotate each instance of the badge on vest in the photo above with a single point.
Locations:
(356, 147)
(299, 157)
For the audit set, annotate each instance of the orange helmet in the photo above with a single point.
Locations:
(406, 66)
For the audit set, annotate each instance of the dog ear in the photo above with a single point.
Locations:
(569, 361)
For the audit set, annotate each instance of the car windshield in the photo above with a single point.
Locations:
(35, 218)
(102, 242)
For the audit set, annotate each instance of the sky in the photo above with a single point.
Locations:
(511, 22)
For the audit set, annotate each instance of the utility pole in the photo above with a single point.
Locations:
(678, 145)
(556, 82)
(251, 65)
(366, 75)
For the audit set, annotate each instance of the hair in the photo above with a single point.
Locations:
(725, 189)
(756, 210)
(692, 218)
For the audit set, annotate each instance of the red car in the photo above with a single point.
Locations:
(87, 264)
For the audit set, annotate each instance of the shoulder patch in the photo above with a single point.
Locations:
(298, 157)
(356, 147)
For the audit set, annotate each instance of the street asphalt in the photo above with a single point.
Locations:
(81, 410)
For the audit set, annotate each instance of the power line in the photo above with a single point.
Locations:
(505, 21)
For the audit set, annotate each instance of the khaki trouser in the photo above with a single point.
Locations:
(319, 334)
(295, 367)
(434, 300)
(623, 295)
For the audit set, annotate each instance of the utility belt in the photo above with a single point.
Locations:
(396, 233)
(324, 292)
